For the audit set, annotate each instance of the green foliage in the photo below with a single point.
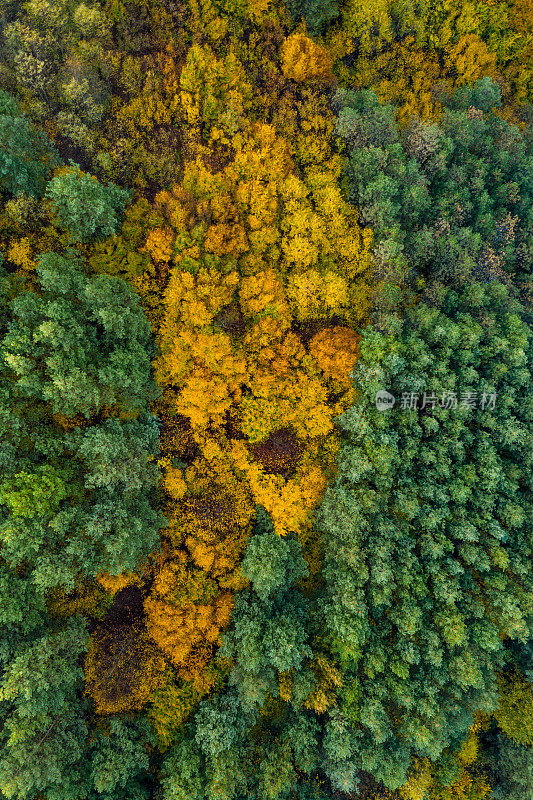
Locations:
(484, 94)
(119, 760)
(22, 610)
(84, 206)
(182, 775)
(81, 344)
(514, 713)
(118, 454)
(9, 106)
(512, 769)
(270, 625)
(28, 495)
(271, 562)
(89, 512)
(221, 756)
(452, 202)
(318, 14)
(44, 730)
(427, 526)
(27, 156)
(77, 502)
(219, 724)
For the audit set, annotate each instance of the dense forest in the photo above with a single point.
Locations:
(266, 400)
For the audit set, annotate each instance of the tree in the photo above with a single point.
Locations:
(269, 628)
(427, 527)
(454, 200)
(82, 515)
(318, 14)
(118, 453)
(27, 156)
(81, 344)
(85, 207)
(44, 730)
(76, 495)
(302, 59)
(512, 768)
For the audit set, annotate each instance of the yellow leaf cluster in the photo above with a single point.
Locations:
(418, 781)
(213, 527)
(300, 401)
(69, 423)
(170, 706)
(335, 351)
(194, 300)
(263, 335)
(173, 483)
(422, 784)
(115, 583)
(89, 598)
(367, 22)
(205, 398)
(302, 59)
(19, 253)
(206, 20)
(185, 612)
(160, 244)
(261, 154)
(514, 714)
(146, 110)
(225, 240)
(472, 59)
(313, 295)
(404, 75)
(288, 502)
(262, 292)
(328, 679)
(214, 91)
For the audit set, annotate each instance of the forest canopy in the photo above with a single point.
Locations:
(266, 400)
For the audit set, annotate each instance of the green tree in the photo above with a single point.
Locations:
(318, 14)
(47, 744)
(84, 206)
(89, 510)
(81, 344)
(427, 528)
(27, 156)
(269, 631)
(512, 768)
(451, 202)
(76, 502)
(118, 453)
(118, 759)
(44, 731)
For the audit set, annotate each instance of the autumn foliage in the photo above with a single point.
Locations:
(182, 245)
